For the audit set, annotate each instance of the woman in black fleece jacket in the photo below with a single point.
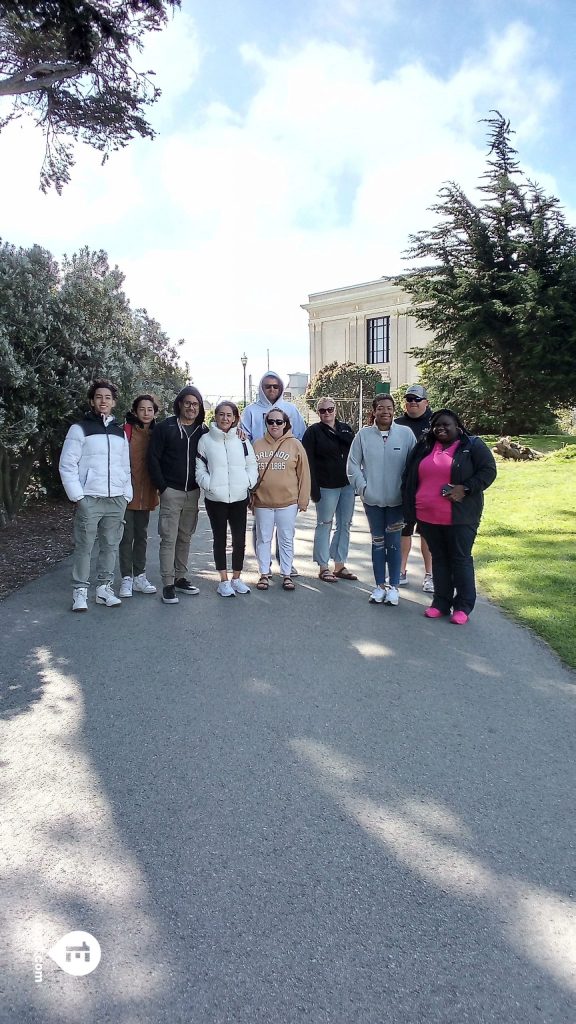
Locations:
(327, 446)
(443, 489)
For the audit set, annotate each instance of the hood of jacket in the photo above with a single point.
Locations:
(262, 398)
(190, 390)
(220, 435)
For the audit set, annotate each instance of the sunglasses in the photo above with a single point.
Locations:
(411, 398)
(327, 408)
(268, 386)
(274, 423)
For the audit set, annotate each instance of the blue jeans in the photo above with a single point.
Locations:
(337, 501)
(385, 542)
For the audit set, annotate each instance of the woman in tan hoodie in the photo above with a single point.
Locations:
(282, 490)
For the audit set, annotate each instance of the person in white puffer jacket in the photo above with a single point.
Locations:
(226, 469)
(95, 471)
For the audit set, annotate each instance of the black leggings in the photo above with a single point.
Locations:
(220, 514)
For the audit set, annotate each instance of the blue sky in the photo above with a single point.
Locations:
(299, 145)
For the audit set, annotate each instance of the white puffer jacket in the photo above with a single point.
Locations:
(223, 470)
(95, 460)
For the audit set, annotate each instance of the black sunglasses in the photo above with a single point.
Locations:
(327, 408)
(277, 423)
(412, 398)
(275, 386)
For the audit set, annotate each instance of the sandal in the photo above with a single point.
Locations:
(263, 583)
(327, 575)
(345, 574)
(287, 584)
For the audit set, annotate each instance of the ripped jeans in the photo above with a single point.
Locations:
(385, 541)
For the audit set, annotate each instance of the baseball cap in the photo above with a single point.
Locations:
(417, 391)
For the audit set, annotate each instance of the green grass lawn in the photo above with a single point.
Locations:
(525, 554)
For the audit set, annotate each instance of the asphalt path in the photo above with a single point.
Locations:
(284, 807)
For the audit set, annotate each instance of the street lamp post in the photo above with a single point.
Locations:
(244, 360)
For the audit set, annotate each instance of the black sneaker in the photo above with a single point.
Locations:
(169, 595)
(185, 587)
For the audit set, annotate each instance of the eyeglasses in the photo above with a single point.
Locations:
(274, 423)
(190, 405)
(327, 408)
(412, 398)
(268, 386)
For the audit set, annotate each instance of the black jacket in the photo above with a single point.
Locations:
(327, 452)
(418, 425)
(473, 465)
(172, 455)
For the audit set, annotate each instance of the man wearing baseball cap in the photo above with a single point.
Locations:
(417, 416)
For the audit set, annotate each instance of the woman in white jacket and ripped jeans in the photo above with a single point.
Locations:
(225, 470)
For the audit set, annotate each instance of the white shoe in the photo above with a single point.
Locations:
(239, 587)
(403, 579)
(105, 595)
(377, 596)
(225, 589)
(79, 602)
(392, 596)
(142, 585)
(428, 585)
(126, 587)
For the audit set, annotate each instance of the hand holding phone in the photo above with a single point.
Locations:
(446, 490)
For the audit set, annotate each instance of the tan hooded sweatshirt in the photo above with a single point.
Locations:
(284, 471)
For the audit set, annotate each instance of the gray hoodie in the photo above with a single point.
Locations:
(375, 466)
(254, 415)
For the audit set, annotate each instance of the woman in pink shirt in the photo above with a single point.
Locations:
(443, 486)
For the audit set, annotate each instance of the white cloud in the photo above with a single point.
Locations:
(316, 184)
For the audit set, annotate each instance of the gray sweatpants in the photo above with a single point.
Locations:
(101, 518)
(177, 522)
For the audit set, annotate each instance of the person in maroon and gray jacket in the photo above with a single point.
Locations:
(140, 422)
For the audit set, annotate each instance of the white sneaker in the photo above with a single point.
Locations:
(105, 595)
(239, 587)
(225, 589)
(403, 579)
(377, 596)
(428, 585)
(126, 586)
(142, 585)
(79, 602)
(392, 596)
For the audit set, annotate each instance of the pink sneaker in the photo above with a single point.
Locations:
(433, 613)
(460, 618)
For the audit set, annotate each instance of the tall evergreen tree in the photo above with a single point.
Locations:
(498, 290)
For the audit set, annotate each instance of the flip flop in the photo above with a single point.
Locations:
(345, 574)
(327, 575)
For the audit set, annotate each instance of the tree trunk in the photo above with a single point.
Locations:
(15, 472)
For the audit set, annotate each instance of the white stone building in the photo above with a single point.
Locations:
(365, 323)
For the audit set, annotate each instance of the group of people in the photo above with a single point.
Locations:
(418, 471)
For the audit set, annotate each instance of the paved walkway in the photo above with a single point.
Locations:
(285, 808)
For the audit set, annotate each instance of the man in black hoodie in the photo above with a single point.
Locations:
(172, 466)
(417, 416)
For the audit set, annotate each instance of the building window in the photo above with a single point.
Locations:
(378, 338)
